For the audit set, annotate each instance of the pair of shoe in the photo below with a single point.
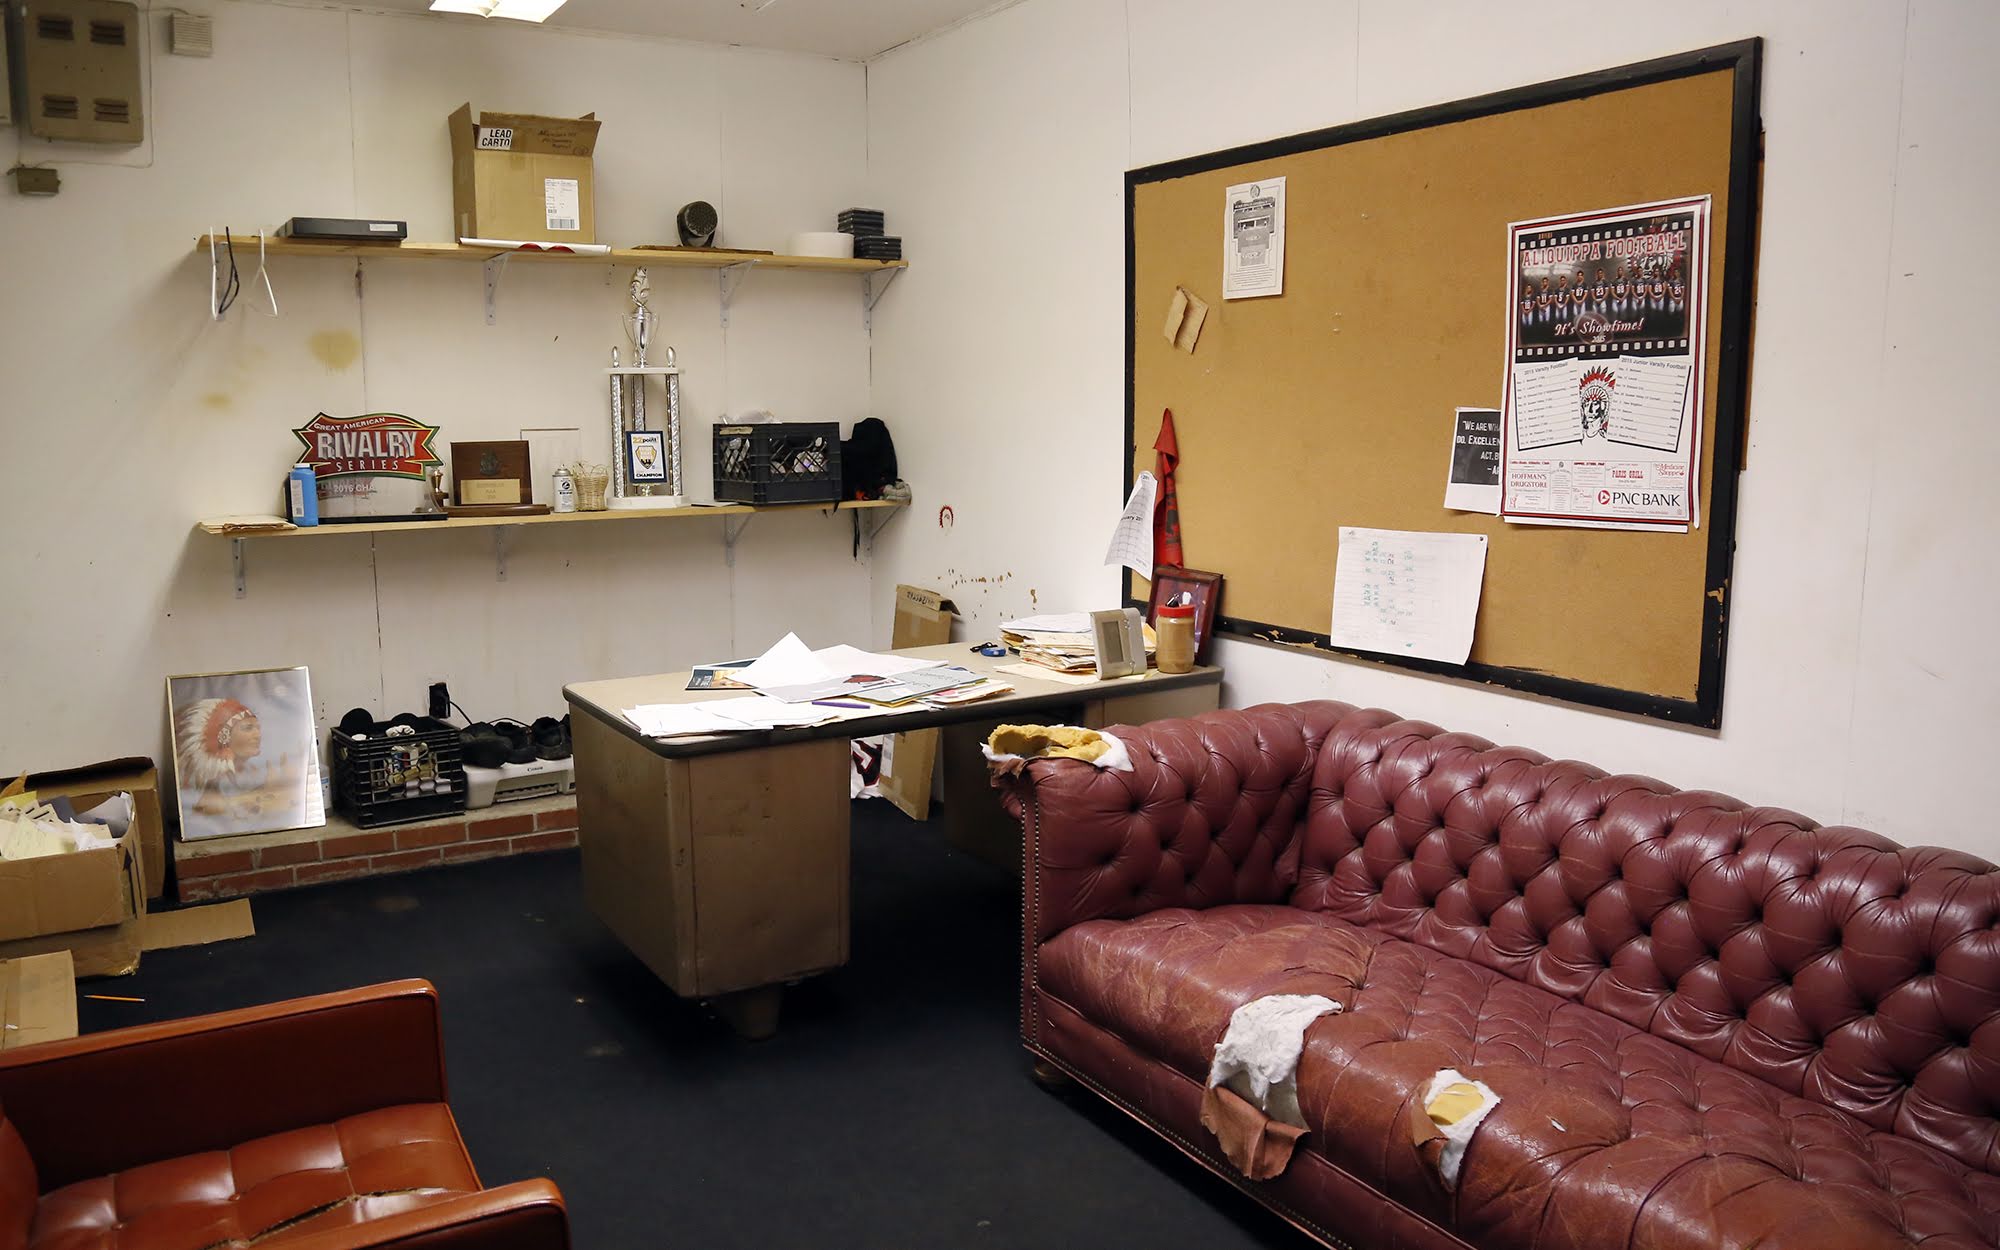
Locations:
(508, 741)
(360, 725)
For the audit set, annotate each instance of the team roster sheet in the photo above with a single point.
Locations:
(1601, 427)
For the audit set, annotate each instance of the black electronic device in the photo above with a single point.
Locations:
(345, 229)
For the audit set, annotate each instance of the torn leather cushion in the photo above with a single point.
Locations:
(1256, 1144)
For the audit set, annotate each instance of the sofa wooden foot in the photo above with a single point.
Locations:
(1050, 1077)
(752, 1013)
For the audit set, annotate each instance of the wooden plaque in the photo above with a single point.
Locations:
(491, 473)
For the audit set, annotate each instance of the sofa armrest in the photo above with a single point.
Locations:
(527, 1215)
(1210, 814)
(108, 1101)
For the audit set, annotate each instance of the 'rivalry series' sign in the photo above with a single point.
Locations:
(380, 444)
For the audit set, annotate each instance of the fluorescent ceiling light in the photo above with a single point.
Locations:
(515, 10)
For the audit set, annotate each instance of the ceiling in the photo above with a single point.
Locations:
(850, 29)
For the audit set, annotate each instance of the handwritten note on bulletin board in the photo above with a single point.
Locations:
(1405, 592)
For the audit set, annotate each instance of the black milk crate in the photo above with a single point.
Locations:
(381, 778)
(778, 462)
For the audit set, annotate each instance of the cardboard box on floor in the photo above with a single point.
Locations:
(91, 784)
(923, 618)
(89, 903)
(523, 178)
(37, 1000)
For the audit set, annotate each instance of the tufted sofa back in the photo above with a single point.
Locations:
(1829, 962)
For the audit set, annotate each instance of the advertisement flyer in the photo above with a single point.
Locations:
(1253, 239)
(1607, 312)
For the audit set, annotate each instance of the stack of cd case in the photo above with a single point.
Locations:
(870, 243)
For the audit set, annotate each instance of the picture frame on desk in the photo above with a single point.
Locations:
(1205, 592)
(645, 456)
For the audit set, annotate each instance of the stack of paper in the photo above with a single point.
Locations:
(924, 684)
(1062, 642)
(791, 672)
(720, 716)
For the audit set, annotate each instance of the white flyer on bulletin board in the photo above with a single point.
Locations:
(1607, 315)
(1253, 239)
(1407, 592)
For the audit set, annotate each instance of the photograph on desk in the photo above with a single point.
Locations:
(1603, 384)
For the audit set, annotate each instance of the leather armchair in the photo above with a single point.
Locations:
(315, 1124)
(1709, 1024)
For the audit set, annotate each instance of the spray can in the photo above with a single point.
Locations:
(565, 491)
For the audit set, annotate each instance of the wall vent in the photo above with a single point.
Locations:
(107, 34)
(59, 107)
(55, 26)
(191, 34)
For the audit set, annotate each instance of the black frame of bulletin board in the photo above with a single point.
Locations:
(1731, 364)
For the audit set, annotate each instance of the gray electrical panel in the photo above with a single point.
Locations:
(80, 72)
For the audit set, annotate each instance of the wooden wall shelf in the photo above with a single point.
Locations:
(664, 258)
(736, 518)
(233, 527)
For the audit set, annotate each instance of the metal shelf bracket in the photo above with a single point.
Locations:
(494, 267)
(236, 567)
(872, 524)
(871, 295)
(500, 553)
(732, 529)
(728, 279)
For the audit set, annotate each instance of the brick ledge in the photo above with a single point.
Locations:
(226, 867)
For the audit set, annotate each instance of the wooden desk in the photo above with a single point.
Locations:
(722, 860)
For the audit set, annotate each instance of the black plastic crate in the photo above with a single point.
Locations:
(778, 462)
(380, 779)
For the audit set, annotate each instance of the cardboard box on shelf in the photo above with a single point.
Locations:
(520, 177)
(923, 618)
(37, 1000)
(91, 784)
(89, 903)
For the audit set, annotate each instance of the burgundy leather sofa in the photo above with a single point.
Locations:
(1709, 1024)
(314, 1124)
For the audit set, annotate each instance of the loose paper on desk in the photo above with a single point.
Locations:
(1050, 623)
(735, 715)
(1253, 239)
(1407, 593)
(1132, 540)
(788, 663)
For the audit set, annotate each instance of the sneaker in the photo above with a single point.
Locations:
(551, 738)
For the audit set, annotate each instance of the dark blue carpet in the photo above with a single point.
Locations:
(893, 1109)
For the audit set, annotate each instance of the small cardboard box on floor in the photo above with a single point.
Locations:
(37, 1000)
(92, 904)
(92, 784)
(89, 903)
(923, 618)
(523, 178)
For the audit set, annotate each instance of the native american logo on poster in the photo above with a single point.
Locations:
(1601, 425)
(1603, 287)
(380, 444)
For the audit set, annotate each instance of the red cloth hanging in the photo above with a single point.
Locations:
(1167, 508)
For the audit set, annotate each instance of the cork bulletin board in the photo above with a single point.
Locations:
(1332, 404)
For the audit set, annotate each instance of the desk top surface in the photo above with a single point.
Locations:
(606, 700)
